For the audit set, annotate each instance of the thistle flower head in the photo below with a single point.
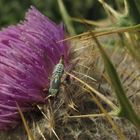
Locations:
(28, 53)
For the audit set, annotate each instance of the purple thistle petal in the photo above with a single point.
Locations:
(28, 54)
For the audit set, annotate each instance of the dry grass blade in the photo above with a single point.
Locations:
(89, 89)
(109, 9)
(105, 32)
(90, 22)
(40, 132)
(30, 136)
(114, 125)
(84, 75)
(92, 115)
(50, 120)
(106, 100)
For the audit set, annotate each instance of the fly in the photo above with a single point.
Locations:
(56, 78)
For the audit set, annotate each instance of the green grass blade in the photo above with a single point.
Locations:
(126, 109)
(66, 18)
(132, 45)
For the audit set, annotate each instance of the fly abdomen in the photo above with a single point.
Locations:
(58, 71)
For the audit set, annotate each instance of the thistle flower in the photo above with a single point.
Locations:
(28, 53)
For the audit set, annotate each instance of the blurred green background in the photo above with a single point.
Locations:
(13, 11)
